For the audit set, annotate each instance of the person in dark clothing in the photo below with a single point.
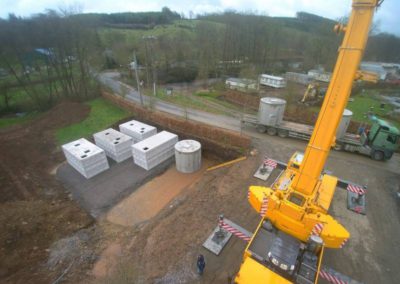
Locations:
(201, 264)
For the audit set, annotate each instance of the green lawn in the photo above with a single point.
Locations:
(362, 104)
(102, 115)
(5, 122)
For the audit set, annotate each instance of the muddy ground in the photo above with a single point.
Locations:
(35, 210)
(164, 249)
(45, 236)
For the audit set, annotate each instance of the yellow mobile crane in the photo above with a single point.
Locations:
(288, 244)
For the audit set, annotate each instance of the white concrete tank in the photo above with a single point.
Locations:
(344, 124)
(271, 111)
(188, 156)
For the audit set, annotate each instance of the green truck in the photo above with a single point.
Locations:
(379, 142)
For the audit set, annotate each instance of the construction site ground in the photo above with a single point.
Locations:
(165, 249)
(100, 193)
(46, 237)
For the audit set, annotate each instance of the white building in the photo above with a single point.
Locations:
(375, 67)
(272, 81)
(241, 84)
(320, 75)
(299, 78)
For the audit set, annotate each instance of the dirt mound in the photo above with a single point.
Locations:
(34, 208)
(247, 100)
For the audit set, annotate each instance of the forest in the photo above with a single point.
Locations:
(54, 55)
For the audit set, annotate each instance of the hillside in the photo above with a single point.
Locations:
(234, 44)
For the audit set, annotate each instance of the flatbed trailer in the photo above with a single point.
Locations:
(296, 130)
(379, 144)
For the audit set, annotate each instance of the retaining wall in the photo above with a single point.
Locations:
(213, 139)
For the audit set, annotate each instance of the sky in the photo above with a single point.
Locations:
(387, 15)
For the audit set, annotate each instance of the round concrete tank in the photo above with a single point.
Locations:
(344, 124)
(188, 156)
(271, 111)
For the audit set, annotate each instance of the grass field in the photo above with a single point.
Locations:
(363, 103)
(8, 121)
(102, 115)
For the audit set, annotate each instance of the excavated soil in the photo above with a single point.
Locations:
(34, 208)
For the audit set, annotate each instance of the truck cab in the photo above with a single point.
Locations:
(382, 138)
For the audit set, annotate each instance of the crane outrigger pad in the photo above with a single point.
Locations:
(267, 167)
(263, 172)
(355, 196)
(217, 240)
(356, 202)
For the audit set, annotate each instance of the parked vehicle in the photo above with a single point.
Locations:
(379, 142)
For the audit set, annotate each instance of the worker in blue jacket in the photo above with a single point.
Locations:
(201, 264)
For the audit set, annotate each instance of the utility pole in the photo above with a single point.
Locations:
(151, 59)
(137, 79)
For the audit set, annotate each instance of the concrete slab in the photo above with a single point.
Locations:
(137, 130)
(356, 202)
(87, 158)
(150, 152)
(105, 190)
(116, 145)
(263, 173)
(217, 240)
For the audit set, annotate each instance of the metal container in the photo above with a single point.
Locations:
(344, 124)
(188, 156)
(271, 111)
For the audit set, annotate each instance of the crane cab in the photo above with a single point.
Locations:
(276, 257)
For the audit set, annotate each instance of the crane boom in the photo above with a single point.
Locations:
(350, 54)
(288, 245)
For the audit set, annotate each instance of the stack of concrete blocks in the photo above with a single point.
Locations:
(85, 157)
(117, 145)
(137, 130)
(154, 150)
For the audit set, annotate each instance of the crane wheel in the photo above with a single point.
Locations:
(283, 133)
(377, 155)
(271, 131)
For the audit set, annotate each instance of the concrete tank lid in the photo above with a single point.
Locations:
(347, 112)
(187, 146)
(275, 101)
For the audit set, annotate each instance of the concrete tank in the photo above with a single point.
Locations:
(271, 111)
(188, 156)
(344, 124)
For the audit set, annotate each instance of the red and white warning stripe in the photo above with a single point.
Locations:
(270, 163)
(248, 195)
(264, 207)
(331, 278)
(234, 231)
(343, 243)
(355, 189)
(358, 209)
(317, 229)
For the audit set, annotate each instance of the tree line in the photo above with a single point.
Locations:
(52, 55)
(47, 57)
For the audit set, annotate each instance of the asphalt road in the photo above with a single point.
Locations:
(110, 79)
